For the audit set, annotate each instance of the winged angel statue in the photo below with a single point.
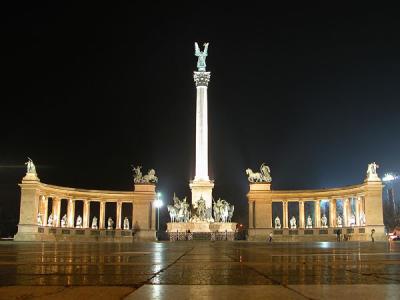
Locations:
(201, 61)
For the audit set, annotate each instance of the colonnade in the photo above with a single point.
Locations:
(358, 206)
(43, 211)
(35, 202)
(332, 214)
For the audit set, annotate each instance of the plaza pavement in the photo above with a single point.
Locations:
(200, 270)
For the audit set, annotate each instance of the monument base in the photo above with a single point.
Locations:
(201, 227)
(202, 189)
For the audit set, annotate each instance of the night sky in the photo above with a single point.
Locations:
(88, 90)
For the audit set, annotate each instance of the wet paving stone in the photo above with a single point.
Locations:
(198, 263)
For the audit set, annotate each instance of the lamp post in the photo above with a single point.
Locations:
(158, 203)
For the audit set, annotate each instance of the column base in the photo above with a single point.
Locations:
(145, 235)
(202, 189)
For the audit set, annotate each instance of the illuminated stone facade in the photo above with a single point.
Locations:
(35, 202)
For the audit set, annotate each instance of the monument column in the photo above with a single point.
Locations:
(201, 186)
(71, 212)
(102, 214)
(119, 211)
(86, 209)
(301, 214)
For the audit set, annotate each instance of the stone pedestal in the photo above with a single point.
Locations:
(203, 189)
(201, 227)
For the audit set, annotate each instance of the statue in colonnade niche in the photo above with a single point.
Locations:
(293, 223)
(94, 223)
(110, 223)
(339, 221)
(39, 219)
(126, 223)
(309, 222)
(277, 223)
(64, 221)
(324, 221)
(352, 221)
(79, 222)
(362, 218)
(262, 176)
(50, 220)
(30, 167)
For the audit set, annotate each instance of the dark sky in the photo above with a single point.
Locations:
(87, 90)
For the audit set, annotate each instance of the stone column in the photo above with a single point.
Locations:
(251, 216)
(56, 211)
(71, 212)
(86, 210)
(357, 211)
(119, 215)
(285, 214)
(332, 213)
(153, 216)
(301, 214)
(317, 213)
(102, 214)
(345, 212)
(45, 215)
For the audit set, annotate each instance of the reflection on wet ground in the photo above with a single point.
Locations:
(198, 263)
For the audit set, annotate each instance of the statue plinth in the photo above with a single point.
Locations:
(260, 186)
(202, 188)
(30, 177)
(145, 187)
(201, 227)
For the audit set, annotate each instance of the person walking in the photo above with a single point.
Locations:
(270, 237)
(372, 235)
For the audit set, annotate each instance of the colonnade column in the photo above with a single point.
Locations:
(56, 211)
(86, 210)
(332, 212)
(301, 214)
(119, 214)
(71, 212)
(251, 215)
(357, 211)
(345, 211)
(317, 213)
(102, 214)
(285, 214)
(45, 200)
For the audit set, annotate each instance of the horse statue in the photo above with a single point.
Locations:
(172, 212)
(216, 210)
(150, 177)
(262, 176)
(230, 212)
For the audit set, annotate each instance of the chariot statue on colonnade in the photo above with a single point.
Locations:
(138, 177)
(30, 167)
(263, 176)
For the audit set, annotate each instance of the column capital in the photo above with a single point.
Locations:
(201, 78)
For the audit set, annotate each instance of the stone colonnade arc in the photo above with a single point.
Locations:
(35, 195)
(366, 196)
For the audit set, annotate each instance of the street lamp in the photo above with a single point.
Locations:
(158, 203)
